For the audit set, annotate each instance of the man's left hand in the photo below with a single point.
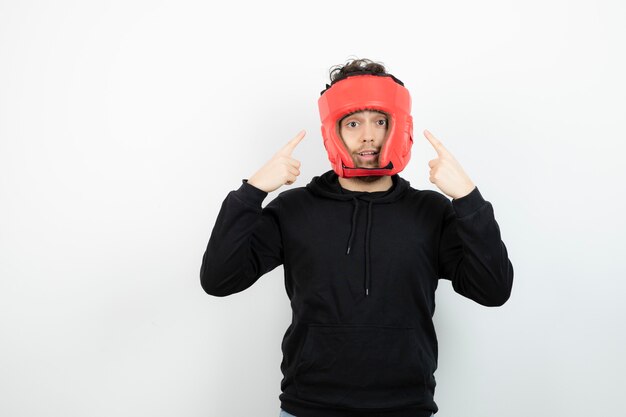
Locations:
(446, 172)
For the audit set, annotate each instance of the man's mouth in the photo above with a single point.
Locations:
(368, 155)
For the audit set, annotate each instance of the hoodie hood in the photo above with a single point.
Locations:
(327, 186)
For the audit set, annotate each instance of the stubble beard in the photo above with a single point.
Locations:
(368, 179)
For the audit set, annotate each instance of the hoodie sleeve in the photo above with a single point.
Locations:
(245, 242)
(471, 252)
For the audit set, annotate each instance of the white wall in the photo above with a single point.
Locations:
(123, 125)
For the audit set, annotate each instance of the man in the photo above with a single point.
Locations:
(362, 252)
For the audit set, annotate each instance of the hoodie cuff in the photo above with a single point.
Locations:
(249, 194)
(468, 204)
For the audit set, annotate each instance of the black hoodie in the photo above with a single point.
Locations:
(361, 270)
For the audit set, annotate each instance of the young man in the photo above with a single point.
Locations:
(362, 252)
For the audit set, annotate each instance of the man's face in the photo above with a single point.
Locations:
(364, 131)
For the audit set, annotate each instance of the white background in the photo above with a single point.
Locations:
(123, 125)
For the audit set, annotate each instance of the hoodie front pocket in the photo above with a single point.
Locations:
(362, 366)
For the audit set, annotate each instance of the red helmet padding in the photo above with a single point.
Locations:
(367, 92)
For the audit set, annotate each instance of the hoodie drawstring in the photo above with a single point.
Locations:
(367, 248)
(367, 239)
(354, 211)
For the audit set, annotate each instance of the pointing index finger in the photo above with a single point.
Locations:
(435, 142)
(291, 145)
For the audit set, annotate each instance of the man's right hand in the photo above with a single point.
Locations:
(281, 169)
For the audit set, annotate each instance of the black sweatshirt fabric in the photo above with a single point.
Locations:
(361, 270)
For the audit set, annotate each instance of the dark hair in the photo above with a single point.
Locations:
(358, 67)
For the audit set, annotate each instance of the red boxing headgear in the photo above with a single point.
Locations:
(357, 92)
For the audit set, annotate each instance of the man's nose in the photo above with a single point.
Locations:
(368, 133)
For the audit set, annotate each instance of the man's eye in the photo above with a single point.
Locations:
(384, 122)
(350, 124)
